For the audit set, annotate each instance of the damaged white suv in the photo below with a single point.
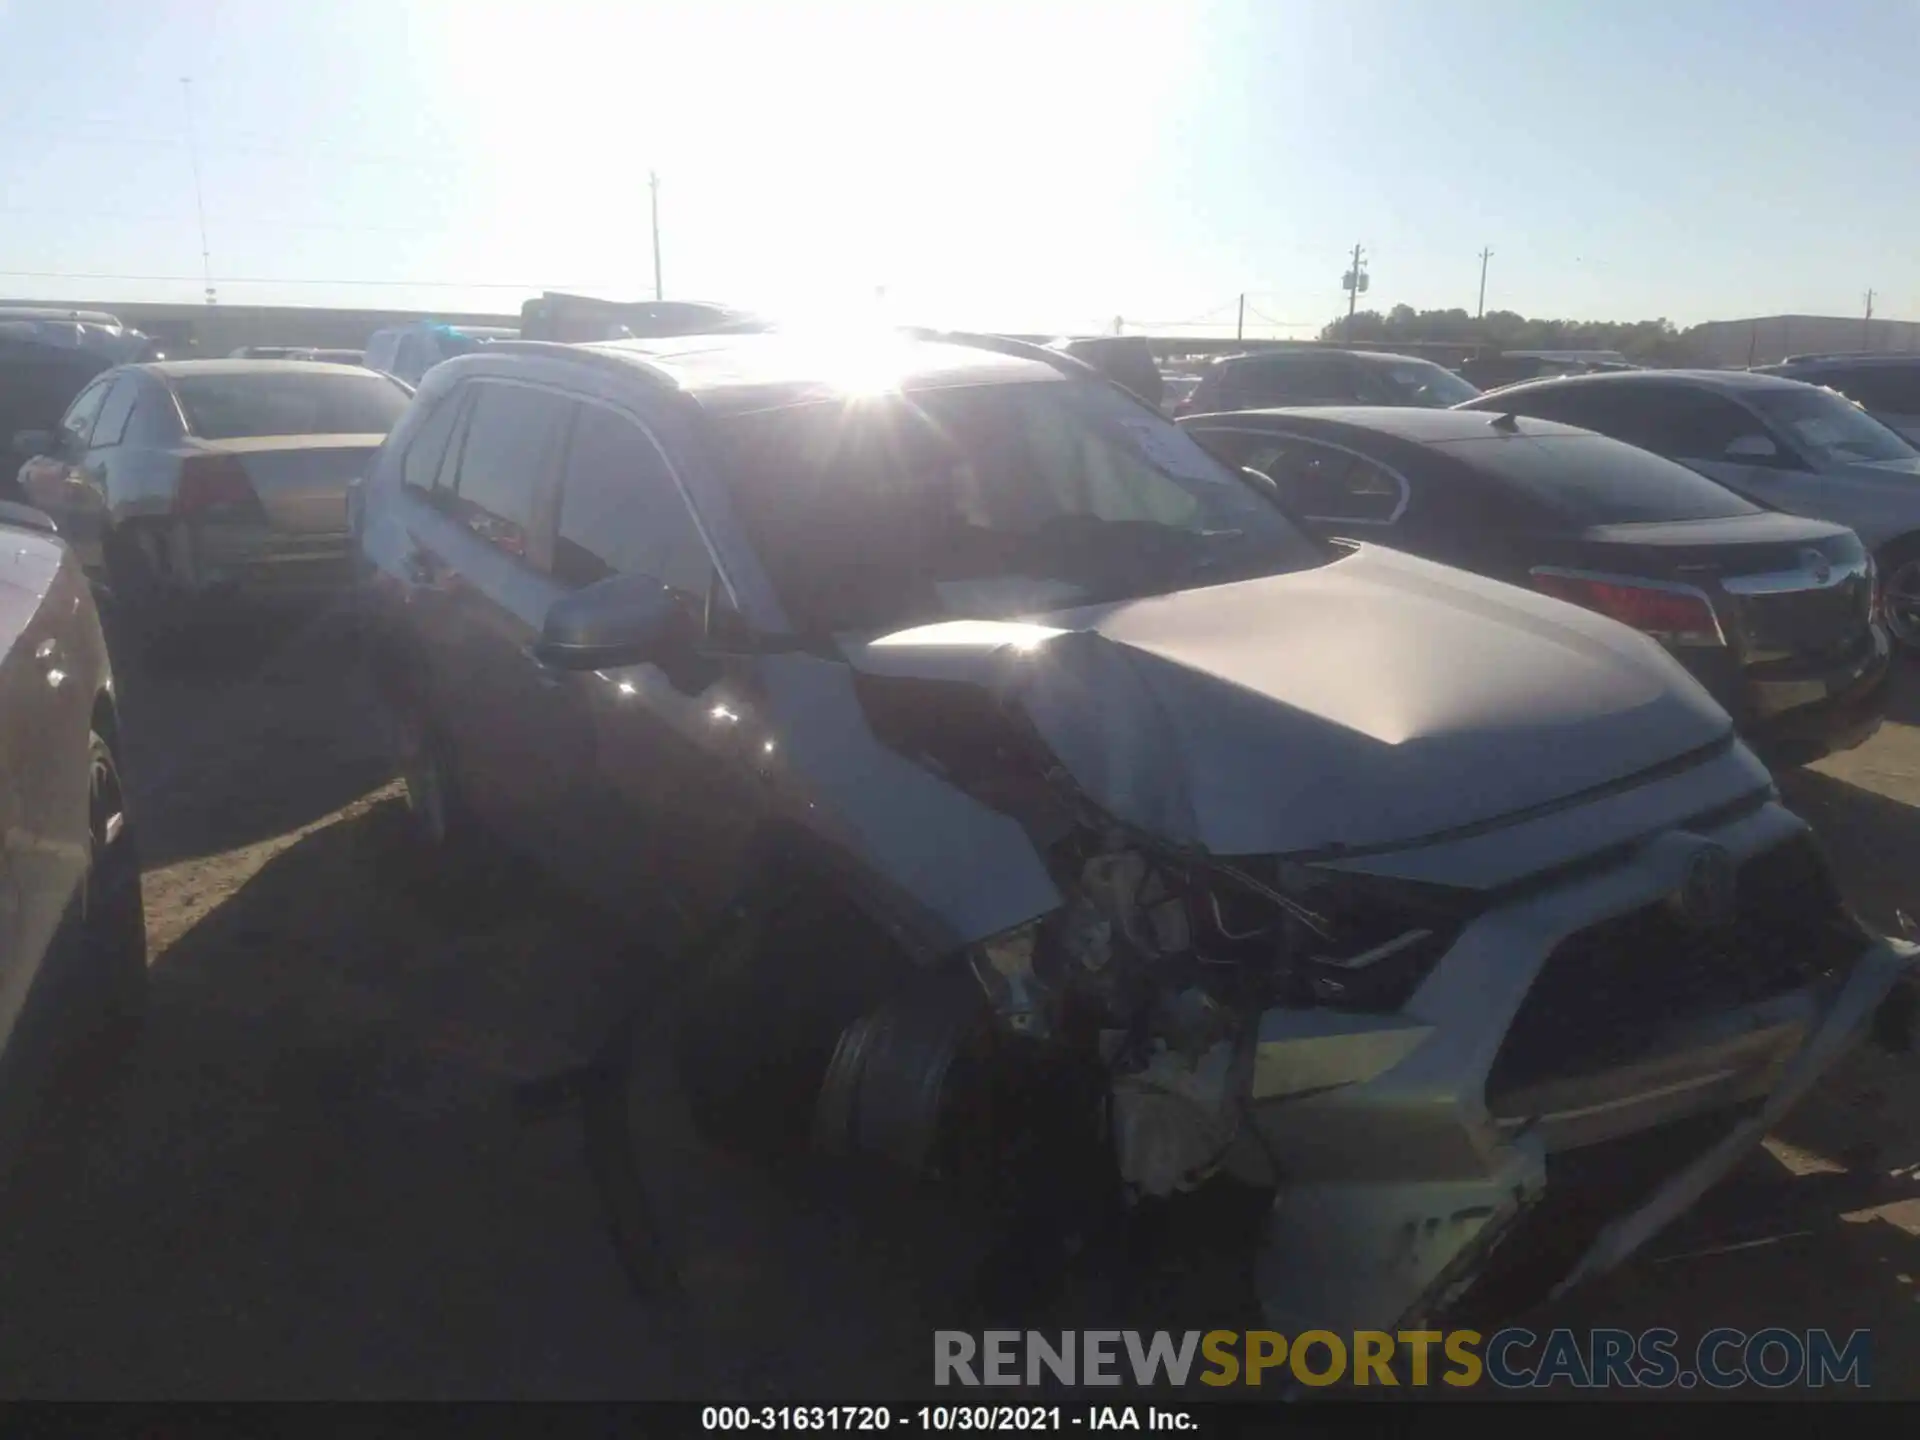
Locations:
(1008, 758)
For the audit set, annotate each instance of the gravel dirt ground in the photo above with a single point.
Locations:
(316, 1182)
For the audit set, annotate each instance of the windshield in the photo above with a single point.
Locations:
(1830, 428)
(240, 406)
(990, 501)
(1419, 382)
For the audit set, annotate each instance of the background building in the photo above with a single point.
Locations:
(1771, 338)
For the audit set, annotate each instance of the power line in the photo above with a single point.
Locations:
(199, 198)
(1280, 324)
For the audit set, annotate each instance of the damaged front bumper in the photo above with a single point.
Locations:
(1421, 1155)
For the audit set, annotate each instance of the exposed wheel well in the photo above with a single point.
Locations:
(1900, 546)
(105, 722)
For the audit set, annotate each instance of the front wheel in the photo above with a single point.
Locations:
(435, 809)
(113, 935)
(1900, 593)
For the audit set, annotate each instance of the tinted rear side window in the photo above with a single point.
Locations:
(1590, 480)
(512, 432)
(420, 467)
(111, 427)
(241, 406)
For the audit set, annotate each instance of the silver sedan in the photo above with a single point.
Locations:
(185, 479)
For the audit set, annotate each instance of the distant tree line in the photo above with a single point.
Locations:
(1650, 342)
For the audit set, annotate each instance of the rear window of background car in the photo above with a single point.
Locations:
(242, 406)
(1591, 480)
(1893, 389)
(1286, 380)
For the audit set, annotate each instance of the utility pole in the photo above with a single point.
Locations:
(653, 187)
(1240, 323)
(199, 199)
(1481, 312)
(1866, 325)
(1355, 280)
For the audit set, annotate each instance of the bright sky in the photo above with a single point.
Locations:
(1043, 165)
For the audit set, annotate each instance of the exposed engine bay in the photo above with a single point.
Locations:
(1158, 964)
(1162, 969)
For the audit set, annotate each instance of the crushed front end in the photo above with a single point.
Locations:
(1599, 1046)
(1480, 1027)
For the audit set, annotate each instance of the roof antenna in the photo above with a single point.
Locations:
(1507, 421)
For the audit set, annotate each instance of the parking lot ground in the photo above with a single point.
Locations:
(316, 1184)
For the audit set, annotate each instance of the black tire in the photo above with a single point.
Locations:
(441, 823)
(144, 620)
(1899, 565)
(111, 946)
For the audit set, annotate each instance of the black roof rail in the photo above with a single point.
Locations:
(1840, 355)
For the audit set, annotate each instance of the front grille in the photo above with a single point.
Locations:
(1586, 1190)
(1604, 989)
(1808, 624)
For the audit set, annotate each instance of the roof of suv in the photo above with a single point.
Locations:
(1415, 424)
(729, 374)
(1630, 379)
(172, 368)
(1839, 362)
(1375, 357)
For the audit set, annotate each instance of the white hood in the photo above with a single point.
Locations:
(1372, 701)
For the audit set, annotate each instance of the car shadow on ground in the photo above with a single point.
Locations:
(318, 1179)
(1872, 841)
(1903, 703)
(262, 723)
(313, 1182)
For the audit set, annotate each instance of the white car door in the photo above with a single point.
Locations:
(43, 761)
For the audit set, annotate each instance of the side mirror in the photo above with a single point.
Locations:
(621, 620)
(1260, 480)
(1753, 447)
(26, 517)
(29, 443)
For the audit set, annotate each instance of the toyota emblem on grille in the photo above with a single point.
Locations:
(1821, 567)
(1706, 899)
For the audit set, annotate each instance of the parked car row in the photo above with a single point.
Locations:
(1772, 612)
(1784, 445)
